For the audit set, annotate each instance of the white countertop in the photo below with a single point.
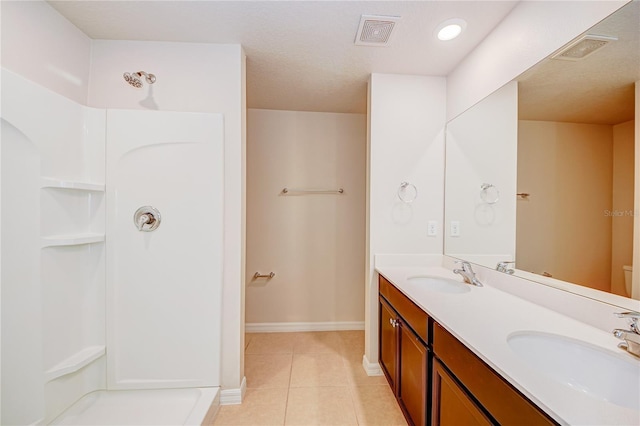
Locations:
(484, 317)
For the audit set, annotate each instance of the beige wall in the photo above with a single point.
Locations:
(315, 244)
(622, 223)
(563, 228)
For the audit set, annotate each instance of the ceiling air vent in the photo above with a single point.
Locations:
(375, 30)
(583, 47)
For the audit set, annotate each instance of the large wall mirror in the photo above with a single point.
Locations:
(541, 172)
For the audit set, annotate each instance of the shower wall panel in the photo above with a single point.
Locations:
(53, 255)
(164, 287)
(22, 364)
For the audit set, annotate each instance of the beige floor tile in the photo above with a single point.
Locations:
(267, 370)
(318, 370)
(353, 351)
(357, 376)
(351, 336)
(264, 407)
(327, 383)
(271, 343)
(320, 406)
(318, 342)
(352, 343)
(247, 339)
(376, 405)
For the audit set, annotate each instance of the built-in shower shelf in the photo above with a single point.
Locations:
(72, 240)
(75, 362)
(47, 182)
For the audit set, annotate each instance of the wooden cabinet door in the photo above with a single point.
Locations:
(388, 343)
(451, 406)
(412, 386)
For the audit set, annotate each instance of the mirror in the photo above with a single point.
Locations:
(541, 172)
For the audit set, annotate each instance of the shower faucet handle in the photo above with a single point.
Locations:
(147, 219)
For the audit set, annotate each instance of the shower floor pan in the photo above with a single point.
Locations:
(143, 407)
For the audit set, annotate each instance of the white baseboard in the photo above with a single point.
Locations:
(233, 396)
(372, 368)
(273, 327)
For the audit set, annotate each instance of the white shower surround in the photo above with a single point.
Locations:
(53, 216)
(164, 287)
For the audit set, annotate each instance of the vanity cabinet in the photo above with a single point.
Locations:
(436, 379)
(494, 395)
(403, 354)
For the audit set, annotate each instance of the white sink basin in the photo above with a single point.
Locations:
(606, 375)
(442, 285)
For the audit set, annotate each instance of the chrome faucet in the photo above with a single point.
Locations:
(502, 267)
(467, 273)
(631, 337)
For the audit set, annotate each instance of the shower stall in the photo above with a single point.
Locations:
(111, 261)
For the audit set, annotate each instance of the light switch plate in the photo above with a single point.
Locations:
(455, 228)
(432, 228)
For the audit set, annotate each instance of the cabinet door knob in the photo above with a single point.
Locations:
(393, 322)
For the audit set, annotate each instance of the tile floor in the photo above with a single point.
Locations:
(313, 378)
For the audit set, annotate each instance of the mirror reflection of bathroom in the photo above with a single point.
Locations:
(575, 211)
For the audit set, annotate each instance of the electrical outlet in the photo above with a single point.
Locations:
(455, 228)
(432, 228)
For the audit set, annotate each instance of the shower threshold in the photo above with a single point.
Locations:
(193, 406)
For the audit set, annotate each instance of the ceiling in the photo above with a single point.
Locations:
(598, 89)
(300, 54)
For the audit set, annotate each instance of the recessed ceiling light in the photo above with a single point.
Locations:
(450, 29)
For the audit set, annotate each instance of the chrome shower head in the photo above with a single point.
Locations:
(134, 79)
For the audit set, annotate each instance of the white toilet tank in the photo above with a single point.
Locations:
(627, 278)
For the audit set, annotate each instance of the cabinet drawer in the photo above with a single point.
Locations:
(497, 396)
(415, 317)
(451, 406)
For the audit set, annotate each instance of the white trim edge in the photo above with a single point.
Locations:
(233, 396)
(272, 327)
(371, 368)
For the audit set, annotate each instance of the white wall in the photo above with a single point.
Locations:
(563, 229)
(482, 149)
(405, 143)
(622, 224)
(41, 45)
(532, 31)
(191, 77)
(313, 243)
